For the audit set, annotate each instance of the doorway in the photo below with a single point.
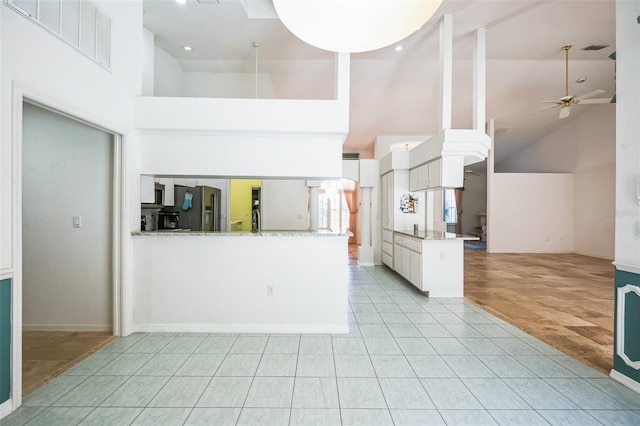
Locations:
(68, 227)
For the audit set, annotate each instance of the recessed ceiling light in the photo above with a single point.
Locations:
(187, 48)
(181, 1)
(398, 48)
(581, 80)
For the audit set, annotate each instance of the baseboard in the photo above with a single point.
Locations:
(242, 328)
(66, 327)
(624, 380)
(6, 408)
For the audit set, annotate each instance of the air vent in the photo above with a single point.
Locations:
(595, 47)
(350, 155)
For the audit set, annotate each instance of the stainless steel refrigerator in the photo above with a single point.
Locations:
(202, 212)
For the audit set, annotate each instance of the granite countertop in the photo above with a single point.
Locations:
(189, 233)
(436, 235)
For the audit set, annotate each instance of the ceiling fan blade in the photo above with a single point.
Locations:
(595, 101)
(551, 102)
(546, 108)
(564, 112)
(589, 95)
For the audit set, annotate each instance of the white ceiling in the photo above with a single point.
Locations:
(395, 93)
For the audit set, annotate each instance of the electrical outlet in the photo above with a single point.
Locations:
(270, 290)
(77, 221)
(299, 215)
(441, 255)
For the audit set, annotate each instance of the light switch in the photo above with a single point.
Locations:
(77, 221)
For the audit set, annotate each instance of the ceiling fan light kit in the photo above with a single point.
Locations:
(567, 100)
(353, 26)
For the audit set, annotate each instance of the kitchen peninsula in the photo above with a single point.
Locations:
(267, 282)
(433, 261)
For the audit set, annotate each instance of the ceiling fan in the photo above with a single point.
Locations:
(567, 100)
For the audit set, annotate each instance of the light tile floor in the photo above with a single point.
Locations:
(408, 360)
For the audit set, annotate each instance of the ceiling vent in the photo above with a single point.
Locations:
(595, 47)
(350, 155)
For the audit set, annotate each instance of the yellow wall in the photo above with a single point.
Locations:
(241, 200)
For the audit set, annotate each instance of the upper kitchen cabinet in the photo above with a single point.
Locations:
(169, 196)
(441, 173)
(147, 189)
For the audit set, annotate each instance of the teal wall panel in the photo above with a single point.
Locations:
(5, 340)
(631, 324)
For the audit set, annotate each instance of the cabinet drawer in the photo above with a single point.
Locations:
(387, 235)
(411, 244)
(387, 248)
(397, 238)
(387, 259)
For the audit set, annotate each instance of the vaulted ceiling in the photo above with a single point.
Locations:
(395, 92)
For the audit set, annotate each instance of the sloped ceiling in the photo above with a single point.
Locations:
(395, 93)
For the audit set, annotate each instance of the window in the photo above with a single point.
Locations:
(450, 211)
(80, 23)
(334, 211)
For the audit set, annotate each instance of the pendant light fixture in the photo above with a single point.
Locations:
(354, 25)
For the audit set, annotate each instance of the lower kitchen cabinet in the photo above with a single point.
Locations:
(434, 265)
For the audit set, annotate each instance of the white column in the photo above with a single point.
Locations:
(479, 79)
(313, 208)
(446, 71)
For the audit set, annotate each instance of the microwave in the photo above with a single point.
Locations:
(158, 198)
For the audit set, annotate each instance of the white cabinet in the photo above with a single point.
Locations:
(435, 178)
(169, 193)
(387, 248)
(441, 173)
(147, 189)
(416, 269)
(408, 258)
(192, 182)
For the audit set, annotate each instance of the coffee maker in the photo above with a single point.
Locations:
(169, 220)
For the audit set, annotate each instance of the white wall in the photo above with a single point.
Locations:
(594, 212)
(224, 285)
(584, 143)
(167, 74)
(285, 205)
(474, 201)
(47, 67)
(532, 213)
(253, 156)
(172, 80)
(67, 271)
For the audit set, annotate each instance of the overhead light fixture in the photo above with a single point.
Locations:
(354, 25)
(398, 48)
(187, 48)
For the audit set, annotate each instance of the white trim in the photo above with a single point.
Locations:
(6, 275)
(624, 380)
(627, 268)
(121, 292)
(366, 263)
(620, 329)
(66, 327)
(6, 408)
(241, 328)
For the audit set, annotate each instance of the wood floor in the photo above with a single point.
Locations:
(47, 354)
(565, 300)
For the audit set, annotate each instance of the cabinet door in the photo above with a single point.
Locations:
(383, 197)
(406, 263)
(414, 181)
(390, 201)
(397, 258)
(423, 177)
(416, 269)
(435, 178)
(169, 193)
(147, 189)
